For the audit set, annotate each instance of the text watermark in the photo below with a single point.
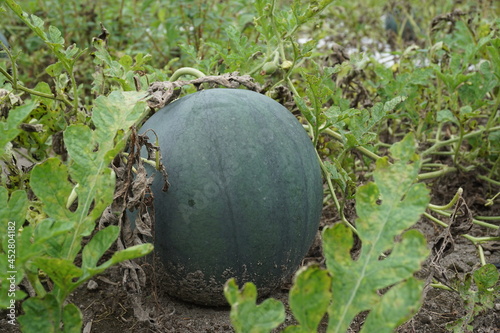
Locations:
(11, 271)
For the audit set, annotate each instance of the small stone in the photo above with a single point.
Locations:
(426, 319)
(92, 285)
(497, 306)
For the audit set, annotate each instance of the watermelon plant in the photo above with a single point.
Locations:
(322, 60)
(478, 290)
(48, 220)
(54, 239)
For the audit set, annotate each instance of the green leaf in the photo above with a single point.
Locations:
(310, 297)
(12, 209)
(304, 109)
(391, 104)
(91, 171)
(54, 193)
(113, 114)
(44, 315)
(133, 252)
(37, 23)
(246, 316)
(41, 315)
(405, 258)
(82, 147)
(88, 182)
(405, 149)
(72, 319)
(386, 207)
(126, 61)
(44, 88)
(12, 216)
(55, 35)
(397, 306)
(231, 291)
(446, 116)
(61, 271)
(486, 277)
(478, 298)
(338, 174)
(49, 228)
(99, 244)
(336, 115)
(10, 128)
(55, 69)
(26, 249)
(362, 124)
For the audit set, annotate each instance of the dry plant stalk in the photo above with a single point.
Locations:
(162, 93)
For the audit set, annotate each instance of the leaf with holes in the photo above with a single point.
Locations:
(386, 208)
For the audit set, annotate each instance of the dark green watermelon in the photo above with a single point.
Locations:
(245, 194)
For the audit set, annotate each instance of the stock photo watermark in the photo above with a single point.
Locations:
(11, 272)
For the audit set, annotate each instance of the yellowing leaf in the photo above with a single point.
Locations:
(385, 208)
(49, 181)
(246, 315)
(310, 297)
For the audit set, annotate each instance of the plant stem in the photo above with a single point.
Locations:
(479, 240)
(338, 137)
(36, 284)
(489, 218)
(17, 86)
(435, 220)
(334, 197)
(450, 204)
(436, 174)
(144, 160)
(440, 144)
(489, 180)
(481, 255)
(26, 156)
(493, 116)
(186, 71)
(441, 286)
(458, 144)
(447, 214)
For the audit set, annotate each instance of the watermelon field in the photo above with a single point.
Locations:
(250, 166)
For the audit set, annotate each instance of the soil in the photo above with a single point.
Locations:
(108, 307)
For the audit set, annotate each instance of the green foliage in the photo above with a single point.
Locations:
(478, 291)
(442, 86)
(10, 127)
(11, 209)
(46, 233)
(248, 317)
(53, 244)
(45, 316)
(386, 208)
(310, 296)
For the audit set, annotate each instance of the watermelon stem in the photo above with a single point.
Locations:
(144, 160)
(186, 71)
(338, 137)
(334, 196)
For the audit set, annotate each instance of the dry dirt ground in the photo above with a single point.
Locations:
(107, 307)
